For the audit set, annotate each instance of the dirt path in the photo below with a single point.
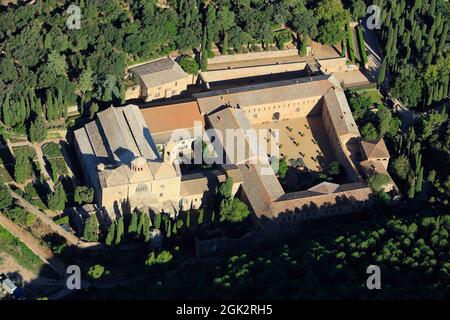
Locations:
(70, 238)
(9, 266)
(27, 238)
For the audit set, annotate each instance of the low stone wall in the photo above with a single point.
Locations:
(223, 245)
(229, 74)
(319, 206)
(253, 56)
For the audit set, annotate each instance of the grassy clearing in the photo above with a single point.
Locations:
(17, 249)
(373, 94)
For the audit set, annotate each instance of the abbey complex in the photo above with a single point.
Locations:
(127, 153)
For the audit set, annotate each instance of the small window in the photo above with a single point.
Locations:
(141, 188)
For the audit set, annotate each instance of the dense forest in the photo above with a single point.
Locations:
(324, 263)
(46, 67)
(415, 37)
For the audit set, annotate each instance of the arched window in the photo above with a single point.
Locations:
(141, 188)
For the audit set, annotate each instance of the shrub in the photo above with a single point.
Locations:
(96, 271)
(5, 197)
(378, 181)
(189, 65)
(62, 220)
(84, 195)
(161, 258)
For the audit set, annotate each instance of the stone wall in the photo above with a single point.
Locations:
(253, 56)
(298, 108)
(331, 65)
(166, 90)
(319, 206)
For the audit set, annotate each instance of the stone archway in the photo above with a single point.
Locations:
(276, 116)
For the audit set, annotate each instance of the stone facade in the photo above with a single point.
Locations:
(159, 79)
(120, 161)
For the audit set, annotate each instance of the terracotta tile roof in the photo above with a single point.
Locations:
(324, 187)
(375, 150)
(167, 118)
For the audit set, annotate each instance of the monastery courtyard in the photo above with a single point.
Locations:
(302, 138)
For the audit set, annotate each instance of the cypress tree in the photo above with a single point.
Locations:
(441, 92)
(146, 226)
(382, 72)
(225, 43)
(401, 27)
(38, 130)
(210, 20)
(432, 9)
(411, 189)
(132, 227)
(110, 235)
(174, 229)
(204, 53)
(157, 220)
(91, 229)
(445, 86)
(430, 54)
(419, 181)
(6, 108)
(436, 93)
(430, 96)
(119, 231)
(169, 228)
(443, 38)
(140, 225)
(49, 106)
(188, 219)
(200, 216)
(22, 111)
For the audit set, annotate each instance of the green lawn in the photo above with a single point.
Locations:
(373, 94)
(17, 249)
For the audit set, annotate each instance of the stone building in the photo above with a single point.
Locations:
(320, 96)
(160, 79)
(121, 162)
(120, 158)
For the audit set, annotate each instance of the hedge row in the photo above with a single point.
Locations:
(350, 47)
(362, 46)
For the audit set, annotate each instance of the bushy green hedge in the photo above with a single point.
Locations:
(350, 46)
(362, 46)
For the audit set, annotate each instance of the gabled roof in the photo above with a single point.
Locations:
(170, 117)
(325, 187)
(375, 150)
(162, 170)
(265, 93)
(159, 72)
